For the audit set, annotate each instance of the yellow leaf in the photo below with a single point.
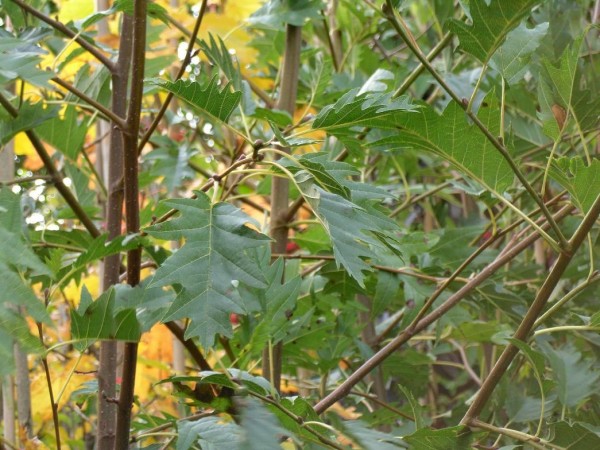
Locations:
(75, 10)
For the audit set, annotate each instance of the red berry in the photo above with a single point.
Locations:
(291, 247)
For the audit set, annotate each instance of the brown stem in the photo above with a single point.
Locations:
(343, 390)
(107, 369)
(397, 270)
(90, 101)
(54, 173)
(132, 212)
(532, 314)
(94, 51)
(189, 345)
(272, 360)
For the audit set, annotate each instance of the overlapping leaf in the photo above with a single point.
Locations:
(277, 301)
(17, 298)
(373, 109)
(210, 265)
(277, 13)
(16, 258)
(211, 99)
(21, 57)
(29, 117)
(218, 53)
(556, 88)
(355, 231)
(98, 320)
(65, 133)
(581, 180)
(574, 436)
(491, 21)
(450, 136)
(514, 55)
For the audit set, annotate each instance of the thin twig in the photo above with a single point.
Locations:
(53, 405)
(108, 114)
(59, 26)
(26, 180)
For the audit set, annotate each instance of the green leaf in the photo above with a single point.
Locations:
(23, 66)
(278, 301)
(278, 117)
(453, 138)
(370, 439)
(261, 430)
(576, 377)
(26, 42)
(317, 168)
(127, 6)
(574, 436)
(582, 182)
(150, 304)
(372, 109)
(513, 57)
(454, 438)
(277, 13)
(557, 86)
(97, 320)
(491, 22)
(170, 162)
(66, 133)
(210, 265)
(218, 53)
(15, 329)
(355, 231)
(29, 117)
(417, 409)
(211, 433)
(386, 291)
(209, 99)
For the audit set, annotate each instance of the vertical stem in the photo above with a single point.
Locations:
(23, 391)
(132, 212)
(8, 409)
(50, 390)
(280, 186)
(107, 372)
(533, 313)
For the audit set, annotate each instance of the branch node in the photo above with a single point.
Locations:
(256, 146)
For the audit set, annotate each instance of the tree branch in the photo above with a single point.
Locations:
(533, 313)
(59, 26)
(108, 114)
(57, 178)
(132, 211)
(189, 345)
(343, 390)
